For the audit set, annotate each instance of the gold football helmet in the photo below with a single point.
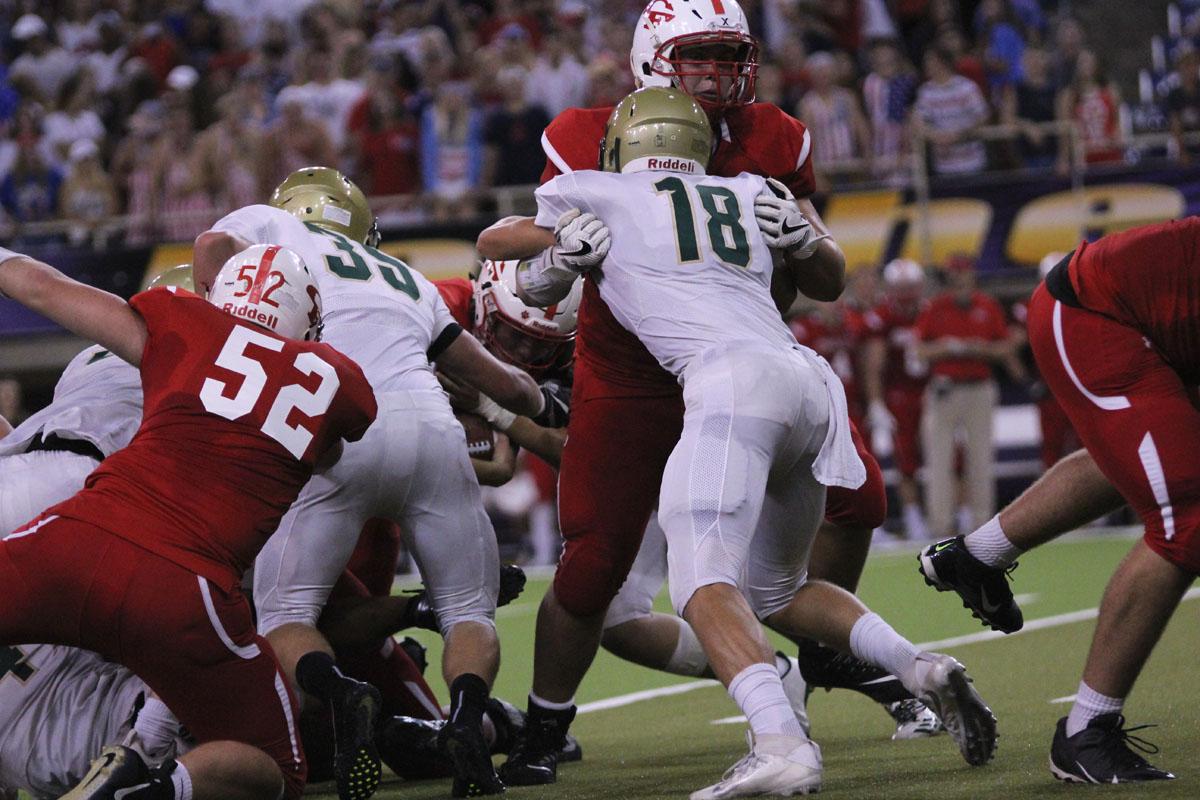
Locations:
(326, 197)
(180, 276)
(656, 128)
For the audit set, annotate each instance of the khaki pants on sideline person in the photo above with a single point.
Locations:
(949, 407)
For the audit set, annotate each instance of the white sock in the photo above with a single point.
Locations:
(991, 546)
(876, 642)
(688, 658)
(156, 727)
(182, 782)
(914, 523)
(551, 706)
(1090, 704)
(759, 694)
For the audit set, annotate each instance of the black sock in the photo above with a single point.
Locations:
(468, 696)
(317, 674)
(158, 786)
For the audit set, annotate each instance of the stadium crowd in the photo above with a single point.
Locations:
(175, 112)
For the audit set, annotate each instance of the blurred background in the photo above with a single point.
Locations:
(963, 140)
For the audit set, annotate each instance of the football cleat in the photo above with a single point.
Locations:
(914, 720)
(470, 760)
(534, 758)
(796, 689)
(1103, 753)
(509, 722)
(775, 765)
(826, 668)
(948, 565)
(116, 768)
(409, 748)
(356, 766)
(420, 613)
(944, 687)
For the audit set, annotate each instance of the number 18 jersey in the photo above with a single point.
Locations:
(688, 268)
(386, 316)
(234, 420)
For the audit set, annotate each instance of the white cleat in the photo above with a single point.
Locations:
(796, 689)
(779, 766)
(941, 683)
(914, 720)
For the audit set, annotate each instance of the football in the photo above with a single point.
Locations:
(481, 439)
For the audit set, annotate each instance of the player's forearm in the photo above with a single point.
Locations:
(502, 466)
(512, 238)
(821, 276)
(210, 252)
(545, 443)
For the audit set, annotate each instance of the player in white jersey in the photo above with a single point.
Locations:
(689, 272)
(411, 466)
(59, 706)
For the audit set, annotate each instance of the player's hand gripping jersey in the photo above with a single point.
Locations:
(235, 419)
(388, 318)
(758, 138)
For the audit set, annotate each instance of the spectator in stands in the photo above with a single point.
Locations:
(388, 135)
(73, 27)
(608, 81)
(75, 117)
(1028, 106)
(42, 65)
(888, 92)
(1002, 45)
(325, 97)
(557, 81)
(29, 192)
(228, 154)
(952, 40)
(768, 87)
(293, 140)
(513, 134)
(133, 172)
(506, 13)
(962, 333)
(155, 47)
(105, 59)
(791, 60)
(840, 134)
(949, 108)
(1069, 42)
(186, 207)
(1092, 104)
(88, 196)
(1183, 101)
(451, 150)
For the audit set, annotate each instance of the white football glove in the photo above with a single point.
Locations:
(782, 225)
(582, 241)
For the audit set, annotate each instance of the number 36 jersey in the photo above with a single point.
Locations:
(688, 268)
(387, 317)
(234, 420)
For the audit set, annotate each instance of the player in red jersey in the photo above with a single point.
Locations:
(238, 411)
(1115, 329)
(626, 409)
(894, 383)
(836, 332)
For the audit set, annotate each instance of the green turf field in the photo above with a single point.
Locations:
(668, 746)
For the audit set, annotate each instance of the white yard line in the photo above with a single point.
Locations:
(1055, 621)
(1068, 699)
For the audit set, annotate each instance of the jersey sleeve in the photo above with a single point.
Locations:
(253, 223)
(445, 328)
(355, 407)
(798, 152)
(566, 146)
(160, 306)
(552, 201)
(457, 293)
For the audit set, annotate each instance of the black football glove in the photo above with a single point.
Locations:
(557, 410)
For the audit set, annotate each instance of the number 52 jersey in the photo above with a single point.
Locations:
(234, 420)
(688, 268)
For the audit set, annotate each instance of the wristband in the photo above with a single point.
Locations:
(500, 418)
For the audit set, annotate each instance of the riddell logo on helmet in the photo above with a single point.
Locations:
(675, 164)
(251, 314)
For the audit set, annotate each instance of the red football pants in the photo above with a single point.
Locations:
(906, 406)
(1132, 413)
(612, 467)
(68, 582)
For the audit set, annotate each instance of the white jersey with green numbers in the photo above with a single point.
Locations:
(688, 268)
(378, 311)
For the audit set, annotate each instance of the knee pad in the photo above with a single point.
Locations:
(270, 619)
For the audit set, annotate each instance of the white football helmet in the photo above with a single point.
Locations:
(903, 271)
(270, 286)
(535, 339)
(670, 31)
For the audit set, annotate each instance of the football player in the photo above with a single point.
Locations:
(411, 468)
(240, 410)
(628, 410)
(765, 426)
(1114, 328)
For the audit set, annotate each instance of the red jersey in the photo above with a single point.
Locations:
(981, 318)
(457, 294)
(758, 138)
(897, 326)
(233, 421)
(1149, 279)
(837, 342)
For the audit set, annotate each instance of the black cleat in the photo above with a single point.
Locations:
(534, 758)
(409, 748)
(116, 768)
(420, 613)
(416, 651)
(1101, 753)
(470, 759)
(512, 583)
(509, 722)
(948, 565)
(826, 668)
(356, 767)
